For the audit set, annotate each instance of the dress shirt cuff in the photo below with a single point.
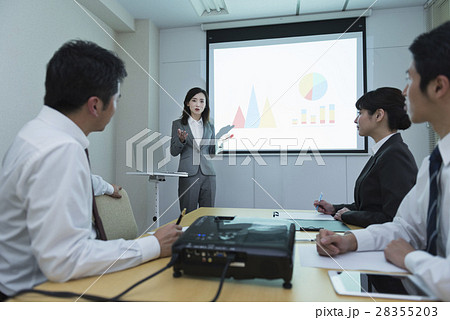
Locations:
(364, 240)
(109, 189)
(414, 259)
(150, 248)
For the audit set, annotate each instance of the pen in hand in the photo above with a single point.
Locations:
(181, 216)
(320, 198)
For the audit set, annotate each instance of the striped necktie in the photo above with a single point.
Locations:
(97, 220)
(435, 165)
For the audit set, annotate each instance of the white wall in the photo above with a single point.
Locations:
(30, 34)
(388, 58)
(138, 110)
(183, 65)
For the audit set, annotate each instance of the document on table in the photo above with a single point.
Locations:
(364, 260)
(153, 232)
(305, 215)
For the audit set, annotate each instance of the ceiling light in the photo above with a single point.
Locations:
(209, 7)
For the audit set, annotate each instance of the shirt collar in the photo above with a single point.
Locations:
(380, 143)
(444, 148)
(196, 122)
(58, 120)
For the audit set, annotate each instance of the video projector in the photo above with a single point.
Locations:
(259, 248)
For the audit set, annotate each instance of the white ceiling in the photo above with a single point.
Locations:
(180, 13)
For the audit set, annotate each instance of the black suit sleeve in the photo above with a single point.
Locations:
(364, 218)
(396, 175)
(176, 146)
(212, 147)
(350, 206)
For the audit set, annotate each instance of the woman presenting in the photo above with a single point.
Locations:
(390, 173)
(194, 140)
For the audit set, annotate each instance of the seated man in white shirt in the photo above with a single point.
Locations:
(410, 241)
(44, 233)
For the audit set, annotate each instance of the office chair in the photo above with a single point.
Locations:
(117, 216)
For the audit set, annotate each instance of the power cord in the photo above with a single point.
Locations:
(169, 265)
(61, 294)
(68, 294)
(230, 259)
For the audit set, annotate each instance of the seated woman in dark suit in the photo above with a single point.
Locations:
(390, 173)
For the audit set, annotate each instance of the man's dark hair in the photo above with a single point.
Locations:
(78, 71)
(187, 111)
(431, 54)
(392, 101)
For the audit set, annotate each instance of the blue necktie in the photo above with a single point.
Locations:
(435, 165)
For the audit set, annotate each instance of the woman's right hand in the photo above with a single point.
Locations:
(182, 135)
(324, 207)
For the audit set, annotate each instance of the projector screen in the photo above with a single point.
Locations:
(288, 93)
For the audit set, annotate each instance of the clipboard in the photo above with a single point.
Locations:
(316, 225)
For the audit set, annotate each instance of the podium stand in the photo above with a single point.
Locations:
(156, 178)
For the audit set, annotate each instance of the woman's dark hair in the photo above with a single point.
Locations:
(392, 101)
(80, 70)
(187, 111)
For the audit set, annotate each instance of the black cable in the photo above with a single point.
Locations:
(230, 258)
(62, 294)
(170, 264)
(68, 294)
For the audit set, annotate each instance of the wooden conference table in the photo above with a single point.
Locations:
(308, 284)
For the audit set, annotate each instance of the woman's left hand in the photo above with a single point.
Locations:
(338, 215)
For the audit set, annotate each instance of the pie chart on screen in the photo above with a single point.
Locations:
(313, 86)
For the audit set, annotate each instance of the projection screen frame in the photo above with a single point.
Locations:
(288, 30)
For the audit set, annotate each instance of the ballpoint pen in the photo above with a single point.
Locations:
(320, 198)
(311, 228)
(181, 216)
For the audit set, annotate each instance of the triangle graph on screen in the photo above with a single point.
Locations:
(239, 120)
(267, 119)
(254, 119)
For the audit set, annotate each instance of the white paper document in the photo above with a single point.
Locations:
(305, 215)
(369, 260)
(153, 232)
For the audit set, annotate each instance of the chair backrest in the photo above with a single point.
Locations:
(117, 216)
